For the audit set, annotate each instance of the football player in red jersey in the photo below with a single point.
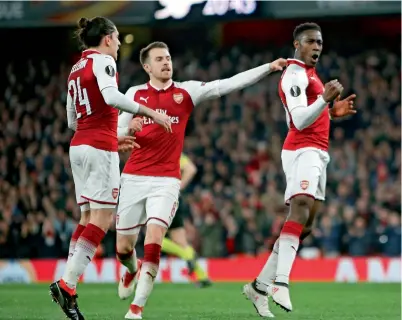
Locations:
(93, 104)
(304, 160)
(150, 183)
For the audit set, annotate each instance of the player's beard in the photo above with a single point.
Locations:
(165, 75)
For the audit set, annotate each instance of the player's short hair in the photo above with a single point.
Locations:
(91, 31)
(144, 53)
(304, 27)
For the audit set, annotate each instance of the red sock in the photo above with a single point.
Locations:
(78, 230)
(152, 253)
(85, 249)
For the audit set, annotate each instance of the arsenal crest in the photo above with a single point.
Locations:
(178, 98)
(304, 184)
(115, 193)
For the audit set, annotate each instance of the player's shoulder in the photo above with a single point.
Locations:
(103, 63)
(101, 56)
(189, 85)
(134, 89)
(294, 74)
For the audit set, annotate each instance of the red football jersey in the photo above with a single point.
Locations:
(300, 85)
(160, 151)
(96, 121)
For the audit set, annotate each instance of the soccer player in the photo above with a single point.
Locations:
(177, 244)
(304, 161)
(93, 104)
(150, 183)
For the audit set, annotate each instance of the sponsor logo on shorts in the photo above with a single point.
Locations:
(304, 184)
(115, 193)
(178, 97)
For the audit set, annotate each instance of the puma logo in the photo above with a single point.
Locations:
(274, 290)
(152, 277)
(145, 99)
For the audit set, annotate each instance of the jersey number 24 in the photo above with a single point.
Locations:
(82, 96)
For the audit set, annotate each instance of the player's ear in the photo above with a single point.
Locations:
(147, 67)
(296, 44)
(107, 40)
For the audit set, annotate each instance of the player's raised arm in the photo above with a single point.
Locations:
(71, 113)
(201, 91)
(294, 84)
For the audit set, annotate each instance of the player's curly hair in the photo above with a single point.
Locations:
(304, 27)
(144, 53)
(91, 31)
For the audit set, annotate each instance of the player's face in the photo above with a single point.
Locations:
(113, 43)
(160, 64)
(309, 47)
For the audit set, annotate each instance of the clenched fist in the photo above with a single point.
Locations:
(332, 90)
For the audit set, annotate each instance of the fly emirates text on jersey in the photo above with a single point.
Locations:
(173, 120)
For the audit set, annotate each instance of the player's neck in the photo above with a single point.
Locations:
(160, 84)
(297, 57)
(99, 49)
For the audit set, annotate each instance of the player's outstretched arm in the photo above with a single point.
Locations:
(201, 91)
(123, 125)
(249, 77)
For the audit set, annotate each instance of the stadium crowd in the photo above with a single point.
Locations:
(235, 203)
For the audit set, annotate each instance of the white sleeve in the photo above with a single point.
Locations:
(71, 113)
(114, 98)
(125, 117)
(201, 91)
(104, 68)
(294, 84)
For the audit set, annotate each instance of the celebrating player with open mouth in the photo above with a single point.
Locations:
(304, 161)
(150, 183)
(93, 104)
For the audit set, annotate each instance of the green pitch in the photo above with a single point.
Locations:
(219, 302)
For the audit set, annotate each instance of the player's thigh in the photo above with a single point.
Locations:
(303, 171)
(102, 185)
(77, 156)
(131, 209)
(162, 202)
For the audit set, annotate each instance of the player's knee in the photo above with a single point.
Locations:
(85, 217)
(155, 233)
(102, 218)
(300, 207)
(125, 243)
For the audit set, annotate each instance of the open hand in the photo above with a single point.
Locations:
(278, 65)
(343, 108)
(135, 125)
(163, 120)
(127, 143)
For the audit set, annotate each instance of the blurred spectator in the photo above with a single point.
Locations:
(236, 199)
